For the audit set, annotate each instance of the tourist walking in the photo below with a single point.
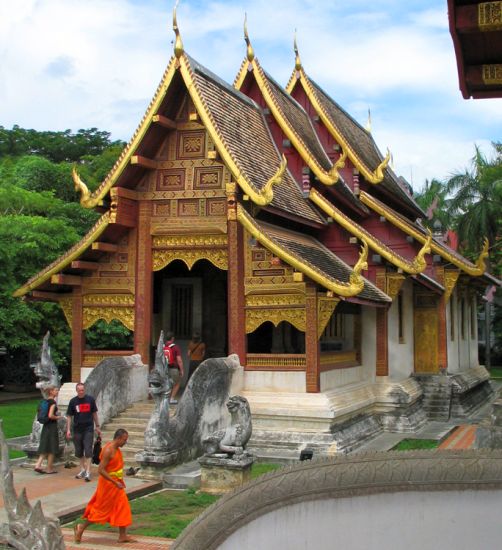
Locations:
(49, 440)
(84, 412)
(109, 504)
(172, 353)
(196, 353)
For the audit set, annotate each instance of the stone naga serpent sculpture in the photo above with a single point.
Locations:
(233, 440)
(160, 385)
(27, 528)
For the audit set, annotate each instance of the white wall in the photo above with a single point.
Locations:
(368, 338)
(474, 338)
(453, 345)
(459, 520)
(401, 354)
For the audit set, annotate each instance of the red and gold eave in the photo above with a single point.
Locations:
(476, 30)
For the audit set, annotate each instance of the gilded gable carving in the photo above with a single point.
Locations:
(191, 144)
(188, 207)
(170, 180)
(208, 177)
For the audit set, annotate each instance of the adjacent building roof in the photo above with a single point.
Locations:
(476, 30)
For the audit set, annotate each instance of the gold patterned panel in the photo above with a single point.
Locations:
(123, 314)
(162, 258)
(490, 16)
(191, 144)
(66, 304)
(492, 74)
(208, 177)
(336, 357)
(275, 300)
(276, 361)
(258, 316)
(425, 321)
(189, 241)
(170, 180)
(188, 207)
(450, 280)
(107, 300)
(394, 283)
(325, 309)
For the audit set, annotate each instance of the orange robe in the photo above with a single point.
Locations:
(109, 504)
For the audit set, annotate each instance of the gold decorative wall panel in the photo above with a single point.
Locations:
(123, 314)
(492, 74)
(450, 280)
(490, 16)
(325, 309)
(189, 249)
(426, 340)
(66, 305)
(394, 283)
(271, 300)
(258, 316)
(276, 361)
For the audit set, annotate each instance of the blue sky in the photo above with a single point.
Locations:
(96, 63)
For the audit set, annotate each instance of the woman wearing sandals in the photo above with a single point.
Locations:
(49, 439)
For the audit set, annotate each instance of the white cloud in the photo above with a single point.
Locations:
(83, 63)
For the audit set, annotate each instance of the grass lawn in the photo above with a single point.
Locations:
(415, 444)
(496, 373)
(17, 417)
(166, 513)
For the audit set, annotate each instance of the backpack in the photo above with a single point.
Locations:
(96, 451)
(170, 355)
(43, 412)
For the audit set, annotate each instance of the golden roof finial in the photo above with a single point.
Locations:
(178, 44)
(368, 124)
(81, 187)
(480, 262)
(249, 51)
(298, 63)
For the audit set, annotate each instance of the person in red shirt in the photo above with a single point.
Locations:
(174, 361)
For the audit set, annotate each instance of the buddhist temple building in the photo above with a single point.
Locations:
(266, 218)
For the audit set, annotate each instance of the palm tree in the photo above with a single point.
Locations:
(476, 201)
(432, 200)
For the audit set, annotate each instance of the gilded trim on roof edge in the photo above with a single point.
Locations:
(97, 196)
(414, 267)
(354, 287)
(327, 178)
(376, 176)
(476, 271)
(71, 255)
(263, 197)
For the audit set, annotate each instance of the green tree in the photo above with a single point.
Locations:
(476, 201)
(433, 200)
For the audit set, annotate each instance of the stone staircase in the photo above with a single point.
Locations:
(437, 393)
(134, 420)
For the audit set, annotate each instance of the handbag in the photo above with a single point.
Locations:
(96, 451)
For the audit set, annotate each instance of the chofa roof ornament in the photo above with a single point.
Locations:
(249, 50)
(178, 44)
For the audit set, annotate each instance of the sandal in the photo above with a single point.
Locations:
(39, 470)
(53, 472)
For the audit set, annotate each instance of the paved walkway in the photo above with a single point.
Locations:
(97, 539)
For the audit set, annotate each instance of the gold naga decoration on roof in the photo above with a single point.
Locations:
(352, 288)
(326, 177)
(475, 270)
(86, 199)
(372, 176)
(414, 267)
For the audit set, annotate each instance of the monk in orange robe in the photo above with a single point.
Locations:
(109, 504)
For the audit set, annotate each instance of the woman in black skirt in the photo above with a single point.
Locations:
(49, 440)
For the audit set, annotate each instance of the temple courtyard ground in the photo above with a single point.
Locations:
(65, 497)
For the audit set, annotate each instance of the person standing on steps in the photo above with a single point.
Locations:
(172, 353)
(82, 408)
(49, 439)
(109, 504)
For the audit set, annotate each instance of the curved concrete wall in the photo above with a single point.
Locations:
(428, 499)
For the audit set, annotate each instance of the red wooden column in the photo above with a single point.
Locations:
(312, 349)
(235, 288)
(442, 332)
(382, 328)
(144, 284)
(77, 334)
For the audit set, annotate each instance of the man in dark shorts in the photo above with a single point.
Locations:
(172, 353)
(82, 408)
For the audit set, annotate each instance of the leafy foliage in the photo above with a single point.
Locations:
(41, 219)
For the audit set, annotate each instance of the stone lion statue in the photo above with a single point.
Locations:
(232, 440)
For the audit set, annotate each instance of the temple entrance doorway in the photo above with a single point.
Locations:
(191, 300)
